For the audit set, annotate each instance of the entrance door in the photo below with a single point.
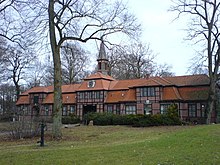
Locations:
(147, 109)
(89, 109)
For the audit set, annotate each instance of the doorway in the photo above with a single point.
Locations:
(88, 109)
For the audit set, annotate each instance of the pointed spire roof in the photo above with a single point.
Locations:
(102, 52)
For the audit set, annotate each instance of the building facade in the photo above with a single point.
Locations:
(100, 93)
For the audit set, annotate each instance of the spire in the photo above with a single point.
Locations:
(102, 53)
(103, 66)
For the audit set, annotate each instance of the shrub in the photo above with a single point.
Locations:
(172, 111)
(133, 120)
(99, 118)
(24, 129)
(118, 120)
(71, 119)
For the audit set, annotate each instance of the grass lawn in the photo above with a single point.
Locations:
(119, 145)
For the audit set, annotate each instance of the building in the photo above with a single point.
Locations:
(100, 92)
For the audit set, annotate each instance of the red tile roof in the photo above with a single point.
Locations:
(70, 88)
(100, 84)
(39, 89)
(194, 93)
(153, 81)
(23, 99)
(185, 93)
(123, 90)
(170, 93)
(121, 96)
(48, 99)
(99, 75)
(67, 98)
(190, 80)
(125, 84)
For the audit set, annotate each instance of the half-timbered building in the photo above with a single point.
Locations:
(100, 93)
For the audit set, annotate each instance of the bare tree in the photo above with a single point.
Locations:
(13, 65)
(74, 60)
(13, 25)
(198, 64)
(3, 48)
(7, 101)
(47, 79)
(132, 61)
(163, 70)
(36, 74)
(114, 58)
(204, 29)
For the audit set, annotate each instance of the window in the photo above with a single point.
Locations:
(202, 110)
(192, 110)
(89, 94)
(118, 109)
(147, 109)
(72, 109)
(65, 111)
(1, 110)
(47, 110)
(130, 109)
(110, 108)
(97, 95)
(150, 92)
(36, 99)
(81, 95)
(163, 108)
(25, 110)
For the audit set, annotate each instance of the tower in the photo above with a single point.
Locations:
(103, 65)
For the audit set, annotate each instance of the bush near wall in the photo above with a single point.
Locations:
(71, 119)
(133, 120)
(170, 118)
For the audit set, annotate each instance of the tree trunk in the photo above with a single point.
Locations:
(57, 107)
(211, 101)
(17, 87)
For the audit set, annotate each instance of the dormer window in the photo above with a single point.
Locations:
(91, 83)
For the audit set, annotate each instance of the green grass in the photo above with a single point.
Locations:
(112, 145)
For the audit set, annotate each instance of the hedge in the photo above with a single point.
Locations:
(71, 119)
(133, 120)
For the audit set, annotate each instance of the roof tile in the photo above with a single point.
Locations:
(68, 98)
(23, 99)
(171, 93)
(121, 96)
(99, 85)
(99, 75)
(194, 93)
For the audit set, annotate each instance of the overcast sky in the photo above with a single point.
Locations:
(166, 37)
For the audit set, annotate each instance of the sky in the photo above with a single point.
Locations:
(165, 36)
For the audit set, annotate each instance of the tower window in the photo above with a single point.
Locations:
(91, 84)
(100, 65)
